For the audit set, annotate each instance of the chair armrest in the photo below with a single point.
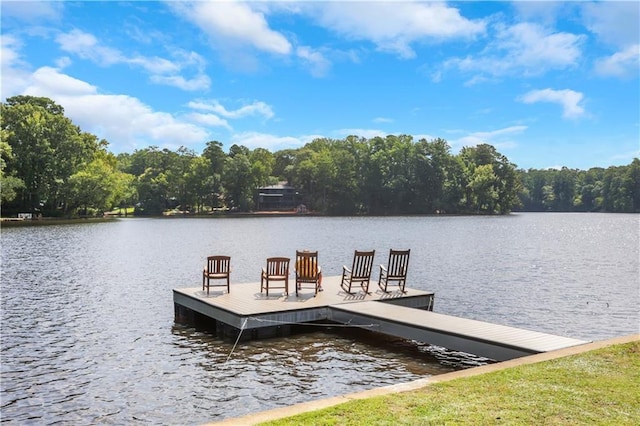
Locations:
(345, 269)
(383, 268)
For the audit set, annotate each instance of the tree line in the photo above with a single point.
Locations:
(49, 166)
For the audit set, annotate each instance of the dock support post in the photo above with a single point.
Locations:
(183, 315)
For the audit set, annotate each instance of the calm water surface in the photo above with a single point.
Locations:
(88, 334)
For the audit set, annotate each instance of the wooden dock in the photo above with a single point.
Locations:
(408, 315)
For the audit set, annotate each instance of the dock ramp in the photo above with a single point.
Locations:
(499, 342)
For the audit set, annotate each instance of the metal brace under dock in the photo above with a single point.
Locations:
(407, 315)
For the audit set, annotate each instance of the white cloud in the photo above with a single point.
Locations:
(32, 11)
(547, 11)
(199, 82)
(615, 22)
(50, 82)
(500, 138)
(568, 99)
(13, 74)
(272, 143)
(621, 64)
(161, 70)
(86, 46)
(382, 120)
(124, 121)
(154, 65)
(394, 26)
(210, 120)
(233, 23)
(316, 61)
(424, 136)
(524, 49)
(363, 133)
(256, 108)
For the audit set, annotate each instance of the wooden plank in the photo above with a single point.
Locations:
(473, 330)
(391, 313)
(245, 299)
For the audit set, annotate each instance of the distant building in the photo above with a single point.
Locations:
(277, 197)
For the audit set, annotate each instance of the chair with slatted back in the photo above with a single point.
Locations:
(277, 270)
(395, 271)
(308, 273)
(218, 268)
(360, 272)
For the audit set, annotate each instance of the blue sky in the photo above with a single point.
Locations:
(549, 84)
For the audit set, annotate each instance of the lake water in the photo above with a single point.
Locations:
(88, 333)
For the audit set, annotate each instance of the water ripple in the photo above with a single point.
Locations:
(87, 330)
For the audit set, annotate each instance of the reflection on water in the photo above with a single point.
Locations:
(87, 331)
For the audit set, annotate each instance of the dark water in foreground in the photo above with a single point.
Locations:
(87, 314)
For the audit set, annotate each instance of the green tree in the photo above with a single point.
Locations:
(201, 182)
(502, 196)
(262, 162)
(564, 189)
(47, 149)
(632, 183)
(178, 173)
(483, 189)
(98, 186)
(9, 184)
(237, 179)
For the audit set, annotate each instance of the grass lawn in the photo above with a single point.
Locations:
(597, 387)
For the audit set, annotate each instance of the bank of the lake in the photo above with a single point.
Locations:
(597, 383)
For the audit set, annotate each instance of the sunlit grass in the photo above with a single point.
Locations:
(597, 387)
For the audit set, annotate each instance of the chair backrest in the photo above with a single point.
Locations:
(362, 264)
(278, 266)
(307, 264)
(398, 263)
(218, 264)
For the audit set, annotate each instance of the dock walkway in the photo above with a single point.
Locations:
(407, 315)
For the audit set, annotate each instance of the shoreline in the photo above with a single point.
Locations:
(284, 412)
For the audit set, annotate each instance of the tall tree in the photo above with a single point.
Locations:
(9, 183)
(47, 149)
(238, 180)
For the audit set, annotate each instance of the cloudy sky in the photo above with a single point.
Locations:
(549, 84)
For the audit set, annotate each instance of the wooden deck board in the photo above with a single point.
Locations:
(527, 340)
(246, 307)
(245, 299)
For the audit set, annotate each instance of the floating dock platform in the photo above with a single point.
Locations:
(248, 312)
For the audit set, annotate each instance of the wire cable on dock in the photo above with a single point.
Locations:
(244, 324)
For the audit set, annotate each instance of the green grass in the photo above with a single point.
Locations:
(598, 387)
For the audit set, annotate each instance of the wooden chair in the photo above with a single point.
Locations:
(360, 272)
(307, 270)
(396, 270)
(277, 270)
(218, 268)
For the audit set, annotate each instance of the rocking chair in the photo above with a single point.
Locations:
(360, 272)
(395, 271)
(307, 270)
